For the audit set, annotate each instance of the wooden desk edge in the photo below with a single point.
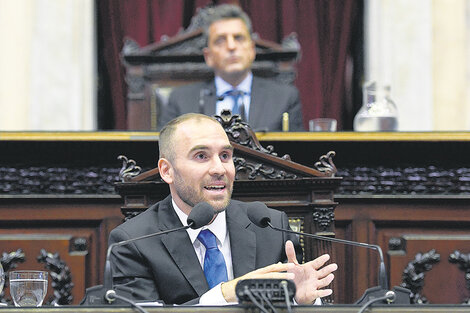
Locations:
(274, 136)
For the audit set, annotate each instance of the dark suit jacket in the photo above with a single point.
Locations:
(166, 267)
(269, 99)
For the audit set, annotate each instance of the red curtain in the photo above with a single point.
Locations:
(324, 29)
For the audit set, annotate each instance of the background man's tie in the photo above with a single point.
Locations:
(214, 262)
(238, 106)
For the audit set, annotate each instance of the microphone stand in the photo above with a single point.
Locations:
(400, 295)
(201, 215)
(110, 294)
(105, 294)
(108, 270)
(382, 273)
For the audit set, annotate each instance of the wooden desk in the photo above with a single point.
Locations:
(420, 204)
(237, 309)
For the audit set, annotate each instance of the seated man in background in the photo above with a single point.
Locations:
(196, 162)
(230, 52)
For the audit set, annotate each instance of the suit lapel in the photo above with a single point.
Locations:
(258, 100)
(210, 98)
(181, 250)
(242, 240)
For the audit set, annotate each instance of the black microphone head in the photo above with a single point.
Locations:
(258, 214)
(200, 215)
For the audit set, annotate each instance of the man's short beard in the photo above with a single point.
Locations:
(218, 209)
(189, 195)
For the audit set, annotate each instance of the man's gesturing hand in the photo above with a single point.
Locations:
(277, 271)
(311, 277)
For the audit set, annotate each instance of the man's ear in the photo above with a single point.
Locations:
(166, 170)
(207, 56)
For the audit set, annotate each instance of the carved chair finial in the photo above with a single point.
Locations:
(326, 164)
(129, 169)
(240, 132)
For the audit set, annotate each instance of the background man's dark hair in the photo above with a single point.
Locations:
(224, 12)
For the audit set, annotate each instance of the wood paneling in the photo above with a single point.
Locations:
(424, 221)
(404, 228)
(54, 224)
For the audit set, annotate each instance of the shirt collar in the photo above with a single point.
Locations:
(218, 227)
(222, 86)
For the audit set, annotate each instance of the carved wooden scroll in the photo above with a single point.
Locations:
(414, 273)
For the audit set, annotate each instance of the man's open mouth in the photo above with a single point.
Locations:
(214, 187)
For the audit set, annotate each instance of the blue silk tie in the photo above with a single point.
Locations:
(214, 262)
(238, 108)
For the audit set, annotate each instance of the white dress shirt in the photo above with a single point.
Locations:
(219, 228)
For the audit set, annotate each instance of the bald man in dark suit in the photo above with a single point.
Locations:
(196, 161)
(166, 268)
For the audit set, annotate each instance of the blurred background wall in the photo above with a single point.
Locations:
(50, 77)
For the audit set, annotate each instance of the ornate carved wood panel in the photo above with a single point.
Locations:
(418, 236)
(66, 237)
(59, 255)
(34, 198)
(423, 260)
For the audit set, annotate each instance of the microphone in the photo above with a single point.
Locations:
(200, 215)
(259, 215)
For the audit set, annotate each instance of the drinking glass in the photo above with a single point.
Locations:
(28, 288)
(322, 125)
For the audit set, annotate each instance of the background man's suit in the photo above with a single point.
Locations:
(269, 99)
(166, 267)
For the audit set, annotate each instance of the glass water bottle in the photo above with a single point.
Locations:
(378, 111)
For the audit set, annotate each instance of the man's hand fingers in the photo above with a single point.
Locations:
(275, 271)
(330, 268)
(290, 252)
(325, 281)
(273, 275)
(320, 261)
(278, 267)
(324, 292)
